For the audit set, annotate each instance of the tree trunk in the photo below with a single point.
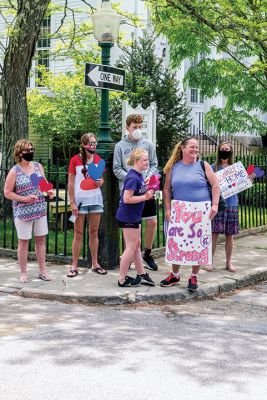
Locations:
(15, 73)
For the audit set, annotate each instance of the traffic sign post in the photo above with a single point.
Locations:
(104, 77)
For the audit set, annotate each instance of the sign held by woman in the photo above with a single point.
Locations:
(189, 234)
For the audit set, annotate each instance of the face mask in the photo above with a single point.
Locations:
(91, 149)
(224, 154)
(28, 156)
(137, 134)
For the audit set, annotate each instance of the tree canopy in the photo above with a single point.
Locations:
(237, 29)
(147, 81)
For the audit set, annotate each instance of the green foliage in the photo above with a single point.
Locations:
(237, 30)
(62, 119)
(148, 81)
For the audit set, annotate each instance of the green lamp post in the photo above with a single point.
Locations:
(106, 23)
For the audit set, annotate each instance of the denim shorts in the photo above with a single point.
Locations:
(93, 209)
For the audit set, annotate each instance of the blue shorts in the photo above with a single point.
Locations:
(93, 209)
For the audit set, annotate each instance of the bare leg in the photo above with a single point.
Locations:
(132, 243)
(94, 221)
(151, 227)
(40, 253)
(77, 240)
(137, 258)
(215, 236)
(22, 257)
(175, 268)
(229, 244)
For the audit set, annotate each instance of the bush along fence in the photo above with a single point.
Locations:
(252, 211)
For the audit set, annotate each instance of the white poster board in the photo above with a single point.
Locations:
(149, 119)
(189, 234)
(233, 179)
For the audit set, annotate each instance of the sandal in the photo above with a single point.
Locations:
(231, 269)
(72, 273)
(209, 268)
(43, 276)
(99, 270)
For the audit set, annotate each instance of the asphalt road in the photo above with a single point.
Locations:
(201, 350)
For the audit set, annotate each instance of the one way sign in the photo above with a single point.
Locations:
(104, 77)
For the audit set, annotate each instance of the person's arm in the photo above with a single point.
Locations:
(153, 162)
(118, 169)
(73, 205)
(9, 190)
(129, 198)
(215, 189)
(167, 195)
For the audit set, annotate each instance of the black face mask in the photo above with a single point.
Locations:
(91, 151)
(28, 156)
(224, 154)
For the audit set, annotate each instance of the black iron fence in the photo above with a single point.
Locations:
(252, 211)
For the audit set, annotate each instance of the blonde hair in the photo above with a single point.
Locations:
(218, 160)
(136, 155)
(20, 145)
(177, 154)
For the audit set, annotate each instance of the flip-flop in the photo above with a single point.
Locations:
(231, 269)
(99, 270)
(209, 268)
(72, 273)
(44, 277)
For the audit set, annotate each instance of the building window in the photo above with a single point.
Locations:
(194, 96)
(201, 97)
(42, 50)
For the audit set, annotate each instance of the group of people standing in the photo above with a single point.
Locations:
(134, 163)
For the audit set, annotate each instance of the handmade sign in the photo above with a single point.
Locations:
(95, 171)
(154, 182)
(88, 184)
(40, 183)
(233, 179)
(255, 172)
(189, 234)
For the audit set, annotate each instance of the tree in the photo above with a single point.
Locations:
(63, 118)
(148, 81)
(237, 29)
(16, 67)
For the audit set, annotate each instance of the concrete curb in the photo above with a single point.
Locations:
(206, 290)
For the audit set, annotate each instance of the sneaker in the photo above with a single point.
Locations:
(170, 281)
(192, 284)
(146, 280)
(150, 263)
(129, 281)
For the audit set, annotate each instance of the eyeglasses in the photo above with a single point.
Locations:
(28, 150)
(92, 143)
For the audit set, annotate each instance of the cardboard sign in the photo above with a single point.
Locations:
(189, 234)
(233, 179)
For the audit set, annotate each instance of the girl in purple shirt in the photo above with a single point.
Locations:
(134, 194)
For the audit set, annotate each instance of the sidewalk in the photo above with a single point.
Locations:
(250, 257)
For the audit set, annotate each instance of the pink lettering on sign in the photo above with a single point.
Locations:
(185, 216)
(176, 255)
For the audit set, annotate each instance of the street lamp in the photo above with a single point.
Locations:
(106, 24)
